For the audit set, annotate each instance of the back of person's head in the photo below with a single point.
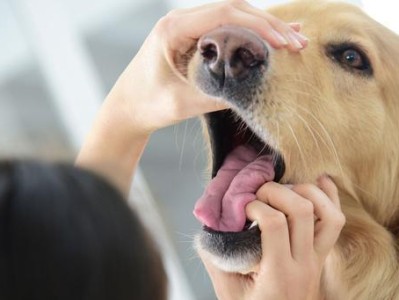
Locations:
(67, 234)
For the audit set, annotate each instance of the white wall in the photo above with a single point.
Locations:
(14, 50)
(257, 3)
(384, 11)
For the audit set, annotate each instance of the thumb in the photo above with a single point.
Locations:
(190, 102)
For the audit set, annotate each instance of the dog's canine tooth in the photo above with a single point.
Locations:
(254, 223)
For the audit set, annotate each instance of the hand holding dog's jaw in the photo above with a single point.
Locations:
(294, 248)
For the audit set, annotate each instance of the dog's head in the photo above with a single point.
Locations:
(331, 108)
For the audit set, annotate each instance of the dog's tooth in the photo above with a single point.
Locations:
(254, 223)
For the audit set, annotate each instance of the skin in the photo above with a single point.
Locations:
(152, 93)
(299, 226)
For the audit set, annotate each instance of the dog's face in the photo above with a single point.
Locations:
(332, 108)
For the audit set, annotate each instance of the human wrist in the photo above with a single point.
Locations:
(115, 144)
(123, 110)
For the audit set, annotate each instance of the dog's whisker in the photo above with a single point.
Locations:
(199, 148)
(263, 149)
(364, 191)
(190, 237)
(278, 138)
(275, 155)
(311, 131)
(183, 145)
(299, 146)
(242, 127)
(310, 90)
(321, 138)
(329, 139)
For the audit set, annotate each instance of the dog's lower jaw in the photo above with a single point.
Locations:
(244, 264)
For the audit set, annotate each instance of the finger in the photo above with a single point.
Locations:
(330, 219)
(241, 5)
(321, 202)
(274, 231)
(300, 216)
(189, 10)
(183, 28)
(200, 103)
(330, 189)
(295, 26)
(180, 102)
(296, 40)
(282, 30)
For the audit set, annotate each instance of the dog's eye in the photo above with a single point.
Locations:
(350, 57)
(353, 59)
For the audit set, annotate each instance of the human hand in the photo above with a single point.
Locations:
(152, 93)
(153, 89)
(299, 227)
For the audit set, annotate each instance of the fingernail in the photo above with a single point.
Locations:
(294, 41)
(280, 38)
(301, 36)
(295, 25)
(324, 177)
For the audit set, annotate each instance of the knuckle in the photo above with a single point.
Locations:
(162, 24)
(165, 23)
(236, 2)
(173, 12)
(340, 219)
(337, 219)
(276, 221)
(279, 24)
(264, 188)
(304, 209)
(269, 185)
(305, 187)
(227, 9)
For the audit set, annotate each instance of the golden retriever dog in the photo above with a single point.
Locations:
(332, 108)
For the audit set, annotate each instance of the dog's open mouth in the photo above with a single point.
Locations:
(227, 131)
(242, 163)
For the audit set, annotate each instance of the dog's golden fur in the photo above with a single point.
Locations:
(347, 126)
(324, 118)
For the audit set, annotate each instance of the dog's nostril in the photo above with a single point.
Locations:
(231, 52)
(209, 52)
(247, 58)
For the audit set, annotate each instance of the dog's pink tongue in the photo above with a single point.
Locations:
(222, 206)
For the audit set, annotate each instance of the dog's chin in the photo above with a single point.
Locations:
(229, 258)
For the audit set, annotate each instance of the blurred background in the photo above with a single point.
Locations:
(58, 59)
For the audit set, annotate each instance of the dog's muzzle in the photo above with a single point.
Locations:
(233, 60)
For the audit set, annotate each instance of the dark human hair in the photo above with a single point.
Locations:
(68, 234)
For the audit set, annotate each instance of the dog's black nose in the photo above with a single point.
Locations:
(232, 52)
